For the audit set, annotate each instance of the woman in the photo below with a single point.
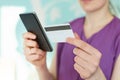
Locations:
(92, 55)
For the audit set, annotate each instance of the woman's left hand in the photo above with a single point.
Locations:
(87, 58)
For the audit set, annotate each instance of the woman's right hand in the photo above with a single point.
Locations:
(32, 52)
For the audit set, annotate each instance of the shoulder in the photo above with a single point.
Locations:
(116, 23)
(77, 21)
(117, 41)
(117, 37)
(114, 27)
(117, 19)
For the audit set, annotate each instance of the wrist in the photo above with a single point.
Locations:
(41, 64)
(41, 67)
(98, 75)
(44, 73)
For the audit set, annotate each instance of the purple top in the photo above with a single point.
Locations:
(107, 41)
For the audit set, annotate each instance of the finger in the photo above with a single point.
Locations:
(76, 35)
(34, 51)
(84, 60)
(32, 58)
(29, 35)
(81, 71)
(85, 65)
(30, 43)
(82, 45)
(80, 62)
(78, 68)
(92, 59)
(82, 54)
(38, 51)
(27, 51)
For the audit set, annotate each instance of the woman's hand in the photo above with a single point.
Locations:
(32, 52)
(87, 58)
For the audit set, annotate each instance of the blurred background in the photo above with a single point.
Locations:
(13, 65)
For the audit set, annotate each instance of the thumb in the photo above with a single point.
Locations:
(76, 36)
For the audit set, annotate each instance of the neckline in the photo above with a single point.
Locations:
(95, 34)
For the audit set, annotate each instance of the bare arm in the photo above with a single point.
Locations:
(44, 73)
(53, 67)
(48, 74)
(116, 70)
(37, 57)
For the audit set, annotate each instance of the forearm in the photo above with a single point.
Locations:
(44, 73)
(98, 75)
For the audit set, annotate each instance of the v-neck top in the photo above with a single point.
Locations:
(107, 41)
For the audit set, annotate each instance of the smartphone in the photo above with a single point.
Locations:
(32, 24)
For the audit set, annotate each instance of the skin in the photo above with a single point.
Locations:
(85, 54)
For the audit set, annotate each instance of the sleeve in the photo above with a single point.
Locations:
(117, 46)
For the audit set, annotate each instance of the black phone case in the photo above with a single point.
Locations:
(32, 24)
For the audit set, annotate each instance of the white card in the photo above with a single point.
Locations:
(59, 33)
